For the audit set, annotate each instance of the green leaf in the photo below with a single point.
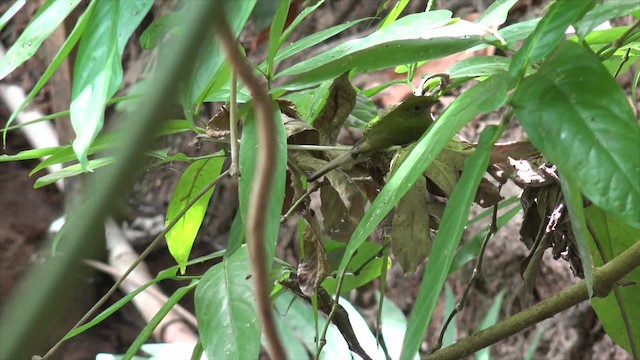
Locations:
(603, 11)
(147, 331)
(313, 39)
(615, 237)
(29, 154)
(70, 171)
(212, 58)
(413, 38)
(549, 32)
(393, 326)
(479, 66)
(13, 9)
(452, 226)
(496, 13)
(43, 23)
(394, 13)
(367, 262)
(585, 126)
(248, 162)
(66, 48)
(274, 33)
(226, 310)
(542, 328)
(484, 97)
(181, 237)
(294, 24)
(490, 319)
(236, 235)
(98, 68)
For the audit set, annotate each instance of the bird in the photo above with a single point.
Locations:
(399, 125)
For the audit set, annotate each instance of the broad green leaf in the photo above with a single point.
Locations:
(452, 226)
(277, 25)
(314, 39)
(147, 331)
(548, 33)
(13, 9)
(615, 237)
(367, 262)
(496, 13)
(212, 58)
(585, 126)
(249, 150)
(484, 97)
(181, 237)
(603, 11)
(366, 339)
(226, 310)
(413, 38)
(71, 41)
(393, 326)
(479, 66)
(43, 23)
(98, 68)
(29, 154)
(490, 319)
(70, 171)
(451, 334)
(513, 33)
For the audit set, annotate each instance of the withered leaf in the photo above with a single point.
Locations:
(446, 167)
(339, 104)
(488, 194)
(218, 125)
(314, 267)
(336, 221)
(299, 132)
(410, 237)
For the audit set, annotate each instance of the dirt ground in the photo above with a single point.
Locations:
(26, 214)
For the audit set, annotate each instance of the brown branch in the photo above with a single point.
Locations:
(604, 278)
(263, 180)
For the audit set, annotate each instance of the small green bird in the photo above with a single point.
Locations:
(400, 125)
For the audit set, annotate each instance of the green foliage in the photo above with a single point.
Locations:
(563, 92)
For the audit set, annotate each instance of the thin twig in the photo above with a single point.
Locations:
(313, 188)
(608, 50)
(234, 169)
(263, 180)
(493, 228)
(625, 58)
(137, 262)
(323, 338)
(616, 292)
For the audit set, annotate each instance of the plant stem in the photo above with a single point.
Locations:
(604, 278)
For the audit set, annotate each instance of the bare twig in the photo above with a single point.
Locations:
(312, 188)
(234, 169)
(263, 181)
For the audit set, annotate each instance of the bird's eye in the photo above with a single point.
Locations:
(417, 107)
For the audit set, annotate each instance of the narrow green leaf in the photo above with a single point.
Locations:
(484, 97)
(13, 9)
(70, 171)
(43, 23)
(236, 235)
(548, 33)
(490, 319)
(394, 13)
(274, 33)
(207, 70)
(595, 144)
(147, 331)
(29, 154)
(603, 11)
(451, 334)
(411, 39)
(226, 310)
(181, 237)
(294, 24)
(452, 226)
(248, 161)
(313, 39)
(119, 304)
(71, 41)
(573, 199)
(479, 66)
(98, 68)
(615, 237)
(536, 341)
(496, 13)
